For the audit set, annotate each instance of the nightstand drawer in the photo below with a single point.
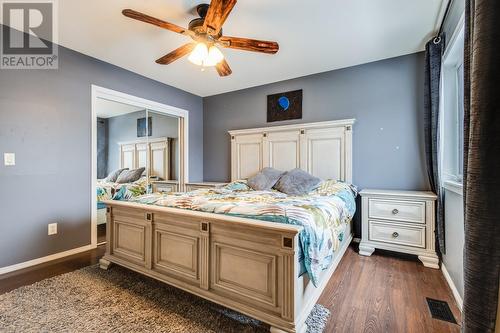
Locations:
(192, 187)
(405, 211)
(389, 232)
(208, 185)
(165, 188)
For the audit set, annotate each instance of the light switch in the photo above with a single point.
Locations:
(52, 229)
(9, 159)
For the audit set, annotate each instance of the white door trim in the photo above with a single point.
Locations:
(116, 96)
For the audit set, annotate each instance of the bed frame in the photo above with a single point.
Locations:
(247, 265)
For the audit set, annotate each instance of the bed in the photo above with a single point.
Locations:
(116, 191)
(155, 154)
(263, 254)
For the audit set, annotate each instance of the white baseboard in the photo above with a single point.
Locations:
(453, 288)
(37, 261)
(356, 240)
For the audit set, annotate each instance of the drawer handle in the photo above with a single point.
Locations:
(395, 234)
(395, 211)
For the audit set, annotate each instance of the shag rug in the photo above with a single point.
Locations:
(119, 300)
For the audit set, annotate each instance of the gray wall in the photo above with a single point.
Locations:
(45, 119)
(124, 128)
(385, 97)
(454, 212)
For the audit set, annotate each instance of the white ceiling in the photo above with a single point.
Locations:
(314, 36)
(108, 109)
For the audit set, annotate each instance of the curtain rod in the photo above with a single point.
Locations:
(437, 39)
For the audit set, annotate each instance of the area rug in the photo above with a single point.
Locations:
(119, 300)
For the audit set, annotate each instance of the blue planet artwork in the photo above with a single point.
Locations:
(284, 106)
(284, 102)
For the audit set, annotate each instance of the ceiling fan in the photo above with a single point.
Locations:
(206, 32)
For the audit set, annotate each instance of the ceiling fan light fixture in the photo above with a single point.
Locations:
(199, 54)
(204, 56)
(209, 63)
(215, 55)
(206, 32)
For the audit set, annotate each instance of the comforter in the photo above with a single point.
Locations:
(117, 191)
(323, 214)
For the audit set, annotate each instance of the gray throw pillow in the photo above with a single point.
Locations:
(265, 179)
(297, 182)
(113, 176)
(130, 176)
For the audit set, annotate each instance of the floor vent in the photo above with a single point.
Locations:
(440, 310)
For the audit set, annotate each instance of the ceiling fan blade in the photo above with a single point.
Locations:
(154, 21)
(223, 68)
(247, 44)
(176, 54)
(217, 14)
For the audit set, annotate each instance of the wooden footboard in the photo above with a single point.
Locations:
(246, 265)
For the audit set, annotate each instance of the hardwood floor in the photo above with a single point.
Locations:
(43, 271)
(381, 293)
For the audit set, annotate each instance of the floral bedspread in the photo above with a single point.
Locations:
(117, 191)
(323, 213)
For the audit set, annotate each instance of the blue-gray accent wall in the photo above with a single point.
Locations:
(45, 118)
(385, 97)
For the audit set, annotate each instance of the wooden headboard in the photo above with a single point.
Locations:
(324, 149)
(135, 154)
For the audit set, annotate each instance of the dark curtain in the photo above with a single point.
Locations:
(433, 55)
(481, 165)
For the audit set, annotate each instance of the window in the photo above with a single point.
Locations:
(460, 119)
(452, 112)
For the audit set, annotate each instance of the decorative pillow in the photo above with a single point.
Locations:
(238, 185)
(297, 182)
(265, 179)
(113, 176)
(130, 176)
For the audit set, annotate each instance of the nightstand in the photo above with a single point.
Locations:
(400, 221)
(203, 185)
(165, 186)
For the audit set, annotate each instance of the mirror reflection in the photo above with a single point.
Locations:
(137, 153)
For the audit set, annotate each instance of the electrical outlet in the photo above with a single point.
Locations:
(52, 229)
(9, 159)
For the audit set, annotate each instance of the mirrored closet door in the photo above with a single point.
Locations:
(164, 162)
(152, 147)
(138, 152)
